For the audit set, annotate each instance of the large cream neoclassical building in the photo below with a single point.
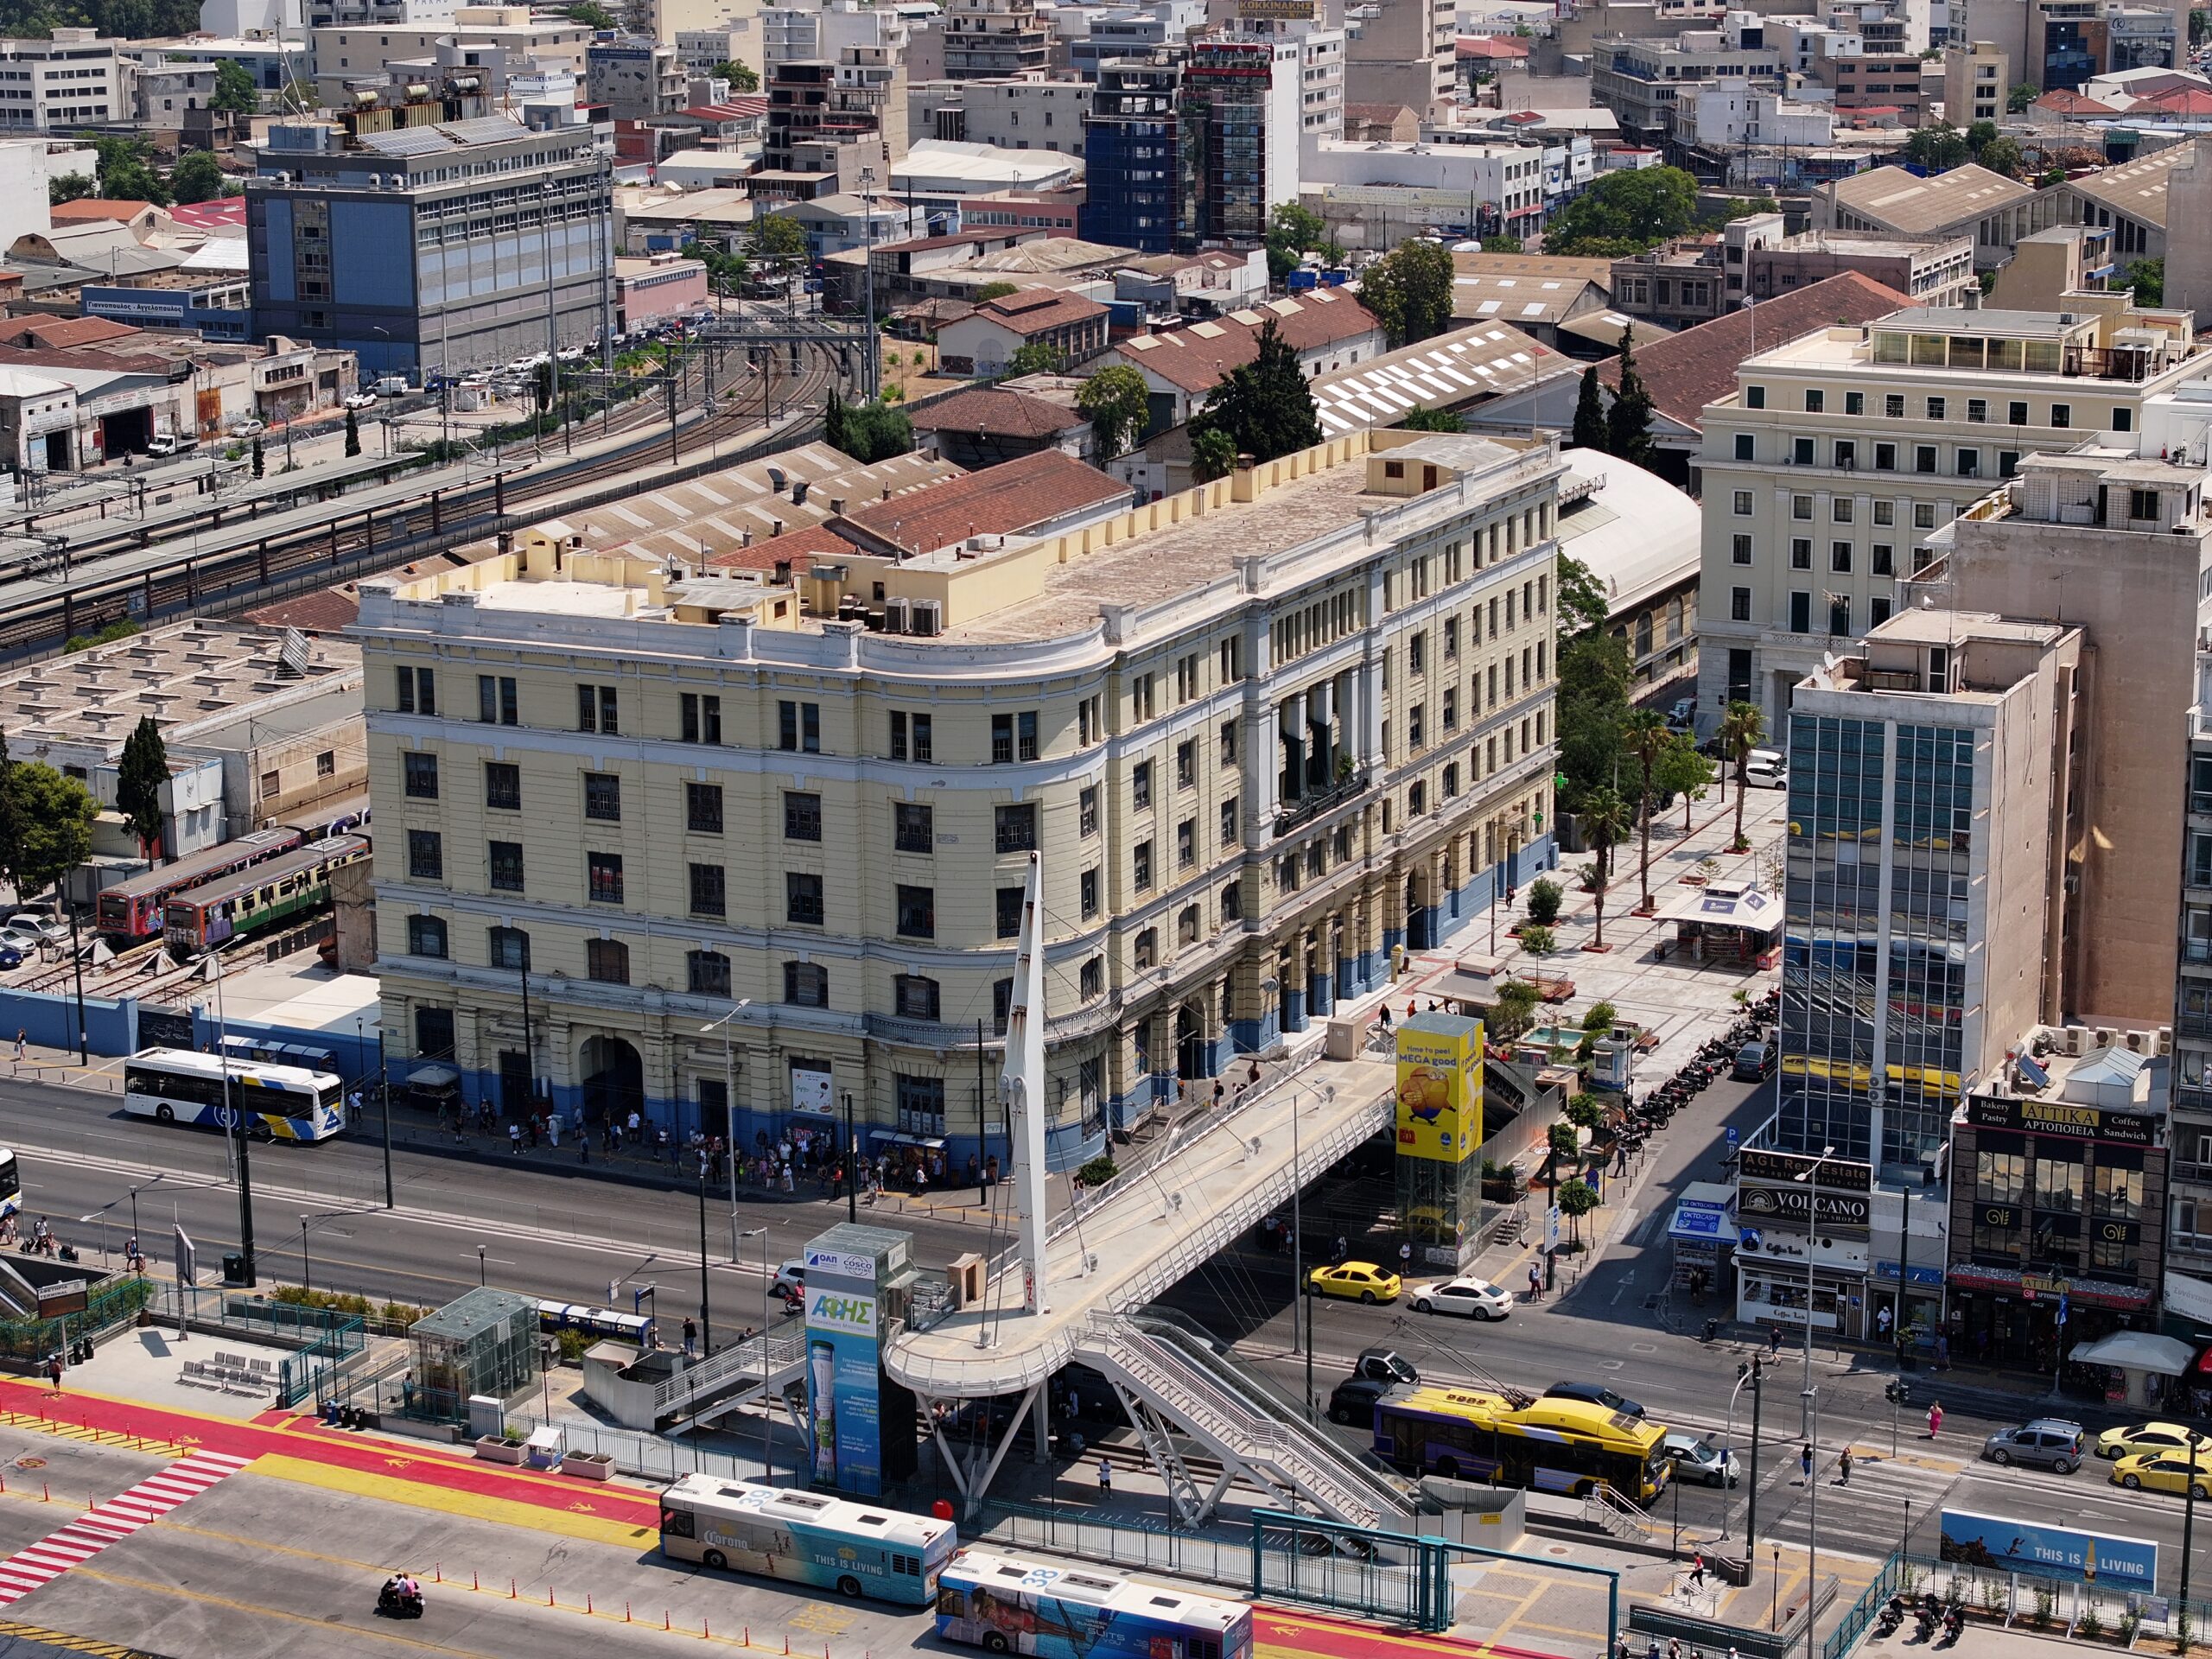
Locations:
(1264, 733)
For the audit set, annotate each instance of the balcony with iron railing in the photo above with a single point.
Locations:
(1293, 815)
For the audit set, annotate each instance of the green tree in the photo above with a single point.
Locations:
(1627, 211)
(353, 433)
(2025, 93)
(1265, 405)
(1592, 702)
(1576, 1199)
(1582, 605)
(1683, 771)
(1586, 1111)
(140, 776)
(1979, 135)
(833, 423)
(1590, 413)
(1539, 942)
(1565, 1146)
(591, 15)
(1513, 1013)
(257, 462)
(55, 815)
(1409, 289)
(777, 236)
(1544, 897)
(2148, 277)
(1501, 244)
(1213, 454)
(990, 291)
(235, 93)
(1433, 420)
(1628, 423)
(1033, 356)
(742, 77)
(1118, 406)
(70, 186)
(198, 176)
(128, 171)
(1603, 818)
(867, 432)
(1646, 733)
(2003, 156)
(1740, 732)
(1939, 148)
(1292, 231)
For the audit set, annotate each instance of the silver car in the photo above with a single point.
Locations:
(2053, 1442)
(1696, 1458)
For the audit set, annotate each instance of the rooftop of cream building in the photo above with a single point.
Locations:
(2107, 338)
(1097, 574)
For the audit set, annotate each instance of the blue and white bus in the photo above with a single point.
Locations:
(285, 1103)
(856, 1550)
(1009, 1603)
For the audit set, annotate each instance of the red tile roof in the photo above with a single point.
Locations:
(325, 611)
(2071, 102)
(2176, 100)
(207, 215)
(1002, 500)
(807, 542)
(1490, 45)
(93, 210)
(1038, 310)
(1196, 358)
(57, 333)
(1684, 372)
(996, 411)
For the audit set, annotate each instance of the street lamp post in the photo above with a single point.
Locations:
(2188, 1536)
(852, 1162)
(1728, 1444)
(480, 1265)
(307, 1281)
(1810, 1178)
(706, 1324)
(1812, 1403)
(730, 1091)
(767, 1417)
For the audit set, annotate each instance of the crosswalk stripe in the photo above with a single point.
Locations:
(85, 1536)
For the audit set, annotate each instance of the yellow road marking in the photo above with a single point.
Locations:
(478, 1506)
(74, 1643)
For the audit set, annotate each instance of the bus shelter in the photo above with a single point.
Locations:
(1725, 923)
(484, 1343)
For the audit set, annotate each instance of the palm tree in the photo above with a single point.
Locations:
(1740, 732)
(1647, 734)
(1603, 818)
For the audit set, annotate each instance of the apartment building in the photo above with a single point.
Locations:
(2190, 1243)
(1841, 450)
(1263, 733)
(1237, 149)
(984, 39)
(1936, 270)
(73, 78)
(1977, 83)
(1130, 141)
(1694, 280)
(1401, 54)
(1640, 81)
(634, 79)
(1012, 114)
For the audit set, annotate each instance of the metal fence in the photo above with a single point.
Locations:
(116, 1302)
(1862, 1611)
(1152, 1547)
(1393, 1578)
(649, 1456)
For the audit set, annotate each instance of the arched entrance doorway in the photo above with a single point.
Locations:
(614, 1080)
(1190, 1043)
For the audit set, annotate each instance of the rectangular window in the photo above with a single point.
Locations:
(595, 711)
(1893, 405)
(1801, 553)
(1741, 502)
(603, 877)
(603, 797)
(798, 728)
(1086, 810)
(1801, 508)
(2016, 412)
(1839, 558)
(2008, 462)
(708, 896)
(1088, 893)
(1228, 742)
(495, 700)
(1815, 400)
(1885, 457)
(426, 936)
(802, 814)
(1839, 613)
(1186, 764)
(1977, 410)
(1936, 410)
(806, 984)
(1854, 403)
(1969, 463)
(418, 691)
(506, 862)
(1885, 557)
(502, 786)
(1886, 513)
(1878, 612)
(1739, 550)
(1800, 612)
(702, 718)
(508, 948)
(1229, 832)
(1009, 910)
(1923, 458)
(913, 827)
(1739, 604)
(803, 898)
(2062, 415)
(2141, 504)
(426, 857)
(706, 973)
(911, 737)
(917, 998)
(1846, 454)
(1140, 866)
(1801, 451)
(916, 912)
(422, 769)
(1015, 828)
(1754, 396)
(1014, 737)
(1923, 515)
(1140, 785)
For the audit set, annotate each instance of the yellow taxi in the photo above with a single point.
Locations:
(1361, 1281)
(2143, 1438)
(2164, 1471)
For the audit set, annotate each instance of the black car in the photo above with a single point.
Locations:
(1597, 1394)
(1352, 1401)
(1386, 1366)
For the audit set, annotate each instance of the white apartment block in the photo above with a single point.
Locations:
(1839, 452)
(72, 78)
(1264, 735)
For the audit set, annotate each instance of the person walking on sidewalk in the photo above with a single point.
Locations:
(1805, 1462)
(54, 1370)
(1934, 1420)
(1535, 1283)
(1843, 1468)
(1697, 1570)
(22, 1038)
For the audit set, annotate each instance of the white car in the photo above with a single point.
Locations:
(362, 400)
(791, 1278)
(248, 427)
(1766, 769)
(1469, 1297)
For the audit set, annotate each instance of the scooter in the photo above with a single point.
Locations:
(393, 1602)
(1891, 1616)
(1954, 1621)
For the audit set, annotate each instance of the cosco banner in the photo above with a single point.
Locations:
(2009, 1545)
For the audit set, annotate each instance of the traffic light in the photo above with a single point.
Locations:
(1897, 1391)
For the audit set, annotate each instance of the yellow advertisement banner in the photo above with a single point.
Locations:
(1440, 1087)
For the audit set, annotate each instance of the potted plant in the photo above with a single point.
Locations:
(500, 1448)
(587, 1466)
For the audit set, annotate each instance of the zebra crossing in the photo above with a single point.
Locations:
(112, 1522)
(1867, 1518)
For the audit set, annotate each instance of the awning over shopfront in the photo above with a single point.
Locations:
(900, 1138)
(2135, 1351)
(435, 1075)
(1726, 903)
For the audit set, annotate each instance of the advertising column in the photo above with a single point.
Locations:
(843, 1358)
(1440, 1127)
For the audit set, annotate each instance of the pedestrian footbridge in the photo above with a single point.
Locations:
(1126, 1242)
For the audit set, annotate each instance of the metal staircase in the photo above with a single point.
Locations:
(1605, 1509)
(770, 1361)
(1166, 1390)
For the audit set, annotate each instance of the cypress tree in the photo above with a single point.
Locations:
(1590, 413)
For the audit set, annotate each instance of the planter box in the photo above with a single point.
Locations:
(492, 1450)
(587, 1466)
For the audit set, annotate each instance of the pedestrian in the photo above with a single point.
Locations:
(1805, 1460)
(1383, 1019)
(1405, 1258)
(1219, 1089)
(1935, 1421)
(1882, 1323)
(1843, 1467)
(1774, 1342)
(353, 1108)
(1697, 1570)
(1535, 1283)
(691, 1337)
(1252, 1077)
(514, 1138)
(1105, 1475)
(553, 1130)
(633, 1126)
(23, 1037)
(54, 1370)
(1342, 1252)
(1943, 1351)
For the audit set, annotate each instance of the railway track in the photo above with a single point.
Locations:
(351, 544)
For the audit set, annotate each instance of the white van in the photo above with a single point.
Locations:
(1766, 769)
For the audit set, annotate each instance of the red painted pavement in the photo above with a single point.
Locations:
(287, 1434)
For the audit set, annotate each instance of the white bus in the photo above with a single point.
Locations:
(11, 1183)
(856, 1550)
(285, 1103)
(1044, 1609)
